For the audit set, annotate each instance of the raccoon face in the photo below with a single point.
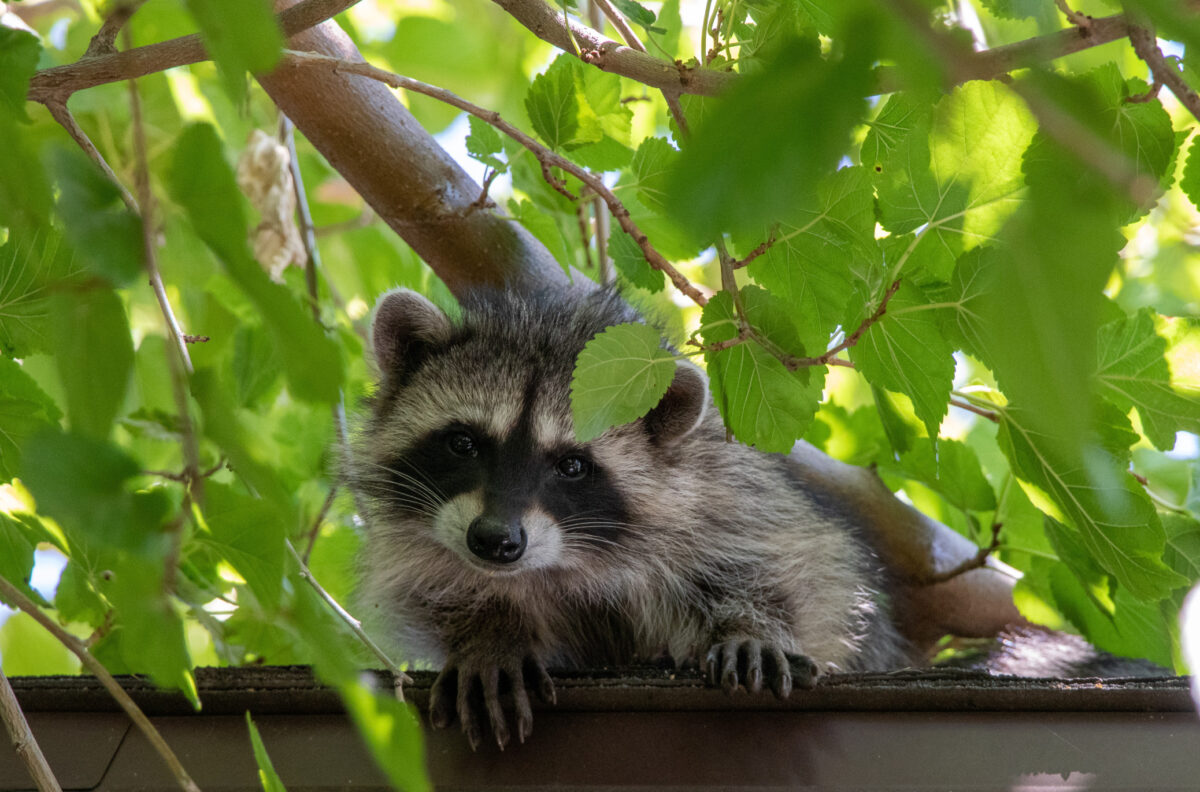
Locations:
(474, 444)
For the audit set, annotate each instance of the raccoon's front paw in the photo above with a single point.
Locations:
(469, 687)
(749, 662)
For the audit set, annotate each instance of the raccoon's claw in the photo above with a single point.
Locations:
(471, 691)
(748, 662)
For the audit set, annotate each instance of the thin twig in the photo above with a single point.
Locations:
(544, 155)
(977, 561)
(60, 113)
(829, 356)
(29, 752)
(102, 42)
(14, 595)
(966, 405)
(1076, 18)
(753, 254)
(316, 525)
(398, 676)
(604, 263)
(1146, 47)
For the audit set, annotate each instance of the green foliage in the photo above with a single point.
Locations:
(620, 375)
(266, 769)
(1041, 230)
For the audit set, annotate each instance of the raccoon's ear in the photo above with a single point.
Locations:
(682, 407)
(405, 324)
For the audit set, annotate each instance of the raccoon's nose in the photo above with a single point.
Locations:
(496, 540)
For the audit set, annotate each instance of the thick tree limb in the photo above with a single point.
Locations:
(415, 186)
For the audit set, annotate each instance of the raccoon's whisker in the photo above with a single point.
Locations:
(418, 482)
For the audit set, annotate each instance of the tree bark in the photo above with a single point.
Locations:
(364, 132)
(368, 136)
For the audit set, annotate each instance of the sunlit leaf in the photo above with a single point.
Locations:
(266, 769)
(392, 733)
(619, 376)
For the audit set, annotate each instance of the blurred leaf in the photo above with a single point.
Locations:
(739, 172)
(1133, 372)
(241, 36)
(107, 236)
(1190, 183)
(905, 351)
(820, 243)
(33, 263)
(953, 471)
(1183, 545)
(201, 181)
(542, 225)
(619, 376)
(255, 364)
(28, 650)
(266, 770)
(249, 533)
(94, 355)
(1116, 522)
(24, 409)
(16, 556)
(953, 176)
(763, 403)
(391, 732)
(1018, 9)
(19, 52)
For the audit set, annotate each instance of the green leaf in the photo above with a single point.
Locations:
(34, 265)
(249, 533)
(638, 13)
(1183, 545)
(1133, 372)
(763, 403)
(553, 104)
(392, 733)
(1115, 521)
(956, 180)
(19, 53)
(961, 301)
(484, 143)
(953, 471)
(906, 351)
(1190, 183)
(541, 224)
(620, 375)
(738, 172)
(107, 236)
(94, 357)
(24, 409)
(631, 263)
(29, 650)
(816, 252)
(16, 555)
(201, 182)
(266, 770)
(1018, 9)
(241, 36)
(650, 168)
(255, 364)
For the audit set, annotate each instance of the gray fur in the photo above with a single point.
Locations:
(723, 557)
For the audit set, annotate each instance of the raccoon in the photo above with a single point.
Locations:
(499, 545)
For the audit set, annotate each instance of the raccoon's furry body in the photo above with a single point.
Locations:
(500, 545)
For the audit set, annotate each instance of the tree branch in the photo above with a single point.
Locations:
(978, 561)
(547, 24)
(102, 42)
(1146, 47)
(29, 752)
(544, 155)
(77, 647)
(59, 82)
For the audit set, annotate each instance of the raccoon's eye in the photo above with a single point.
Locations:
(573, 467)
(462, 444)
